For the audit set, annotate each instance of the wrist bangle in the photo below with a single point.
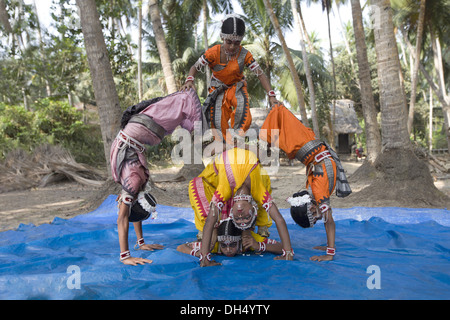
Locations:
(208, 257)
(139, 243)
(189, 78)
(125, 255)
(288, 253)
(262, 246)
(271, 93)
(331, 251)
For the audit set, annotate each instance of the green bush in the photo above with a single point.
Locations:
(53, 122)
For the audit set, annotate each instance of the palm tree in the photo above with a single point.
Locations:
(295, 78)
(258, 40)
(162, 46)
(436, 25)
(201, 8)
(312, 96)
(415, 72)
(393, 103)
(101, 73)
(373, 139)
(401, 175)
(139, 77)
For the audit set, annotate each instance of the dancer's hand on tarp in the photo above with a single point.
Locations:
(284, 257)
(132, 261)
(209, 263)
(151, 247)
(321, 258)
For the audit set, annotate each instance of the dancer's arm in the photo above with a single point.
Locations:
(122, 227)
(208, 228)
(282, 231)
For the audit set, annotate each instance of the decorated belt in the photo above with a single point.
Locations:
(149, 123)
(321, 156)
(131, 142)
(307, 149)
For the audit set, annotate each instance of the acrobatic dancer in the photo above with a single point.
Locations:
(228, 99)
(235, 187)
(232, 241)
(145, 124)
(323, 168)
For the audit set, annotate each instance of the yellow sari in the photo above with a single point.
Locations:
(220, 180)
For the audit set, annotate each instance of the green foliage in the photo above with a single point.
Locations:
(53, 122)
(16, 129)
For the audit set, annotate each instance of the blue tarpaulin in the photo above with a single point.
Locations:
(382, 253)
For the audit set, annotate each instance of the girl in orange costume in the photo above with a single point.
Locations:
(324, 171)
(228, 97)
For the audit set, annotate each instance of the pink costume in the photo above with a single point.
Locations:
(128, 161)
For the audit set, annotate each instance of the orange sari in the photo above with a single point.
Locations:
(227, 100)
(292, 136)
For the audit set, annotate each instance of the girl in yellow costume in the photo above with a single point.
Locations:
(227, 188)
(241, 163)
(232, 241)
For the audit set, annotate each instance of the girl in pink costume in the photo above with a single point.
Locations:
(145, 124)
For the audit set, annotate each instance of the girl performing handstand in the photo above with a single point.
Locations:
(145, 124)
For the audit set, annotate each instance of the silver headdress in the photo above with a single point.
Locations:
(237, 33)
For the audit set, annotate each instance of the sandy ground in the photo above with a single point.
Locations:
(68, 199)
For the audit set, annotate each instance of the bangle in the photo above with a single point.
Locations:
(331, 251)
(262, 246)
(196, 248)
(189, 78)
(288, 253)
(208, 257)
(125, 255)
(271, 93)
(139, 243)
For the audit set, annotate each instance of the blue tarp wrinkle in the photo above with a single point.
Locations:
(382, 253)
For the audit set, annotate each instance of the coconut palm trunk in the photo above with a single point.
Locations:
(294, 74)
(162, 46)
(393, 103)
(401, 176)
(415, 71)
(312, 95)
(102, 78)
(373, 137)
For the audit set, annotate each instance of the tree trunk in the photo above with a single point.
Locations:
(393, 117)
(140, 86)
(415, 71)
(333, 122)
(205, 38)
(373, 138)
(294, 74)
(400, 176)
(102, 78)
(41, 48)
(4, 19)
(311, 47)
(436, 46)
(430, 123)
(312, 95)
(162, 46)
